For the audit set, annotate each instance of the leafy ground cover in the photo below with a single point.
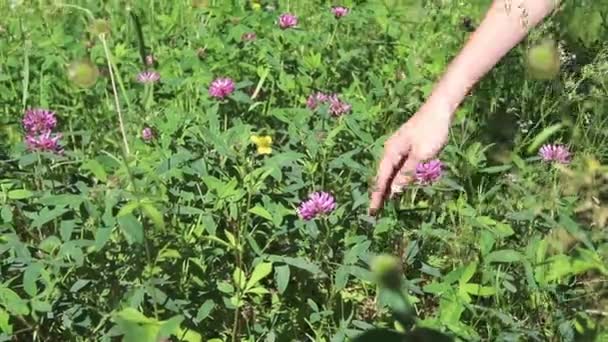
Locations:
(199, 170)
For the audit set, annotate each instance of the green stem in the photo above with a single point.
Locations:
(86, 11)
(242, 227)
(331, 37)
(235, 327)
(136, 192)
(148, 96)
(115, 93)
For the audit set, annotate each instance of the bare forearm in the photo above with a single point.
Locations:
(506, 23)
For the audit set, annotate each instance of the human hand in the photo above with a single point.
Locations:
(420, 138)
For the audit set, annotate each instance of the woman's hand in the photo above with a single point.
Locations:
(422, 137)
(425, 133)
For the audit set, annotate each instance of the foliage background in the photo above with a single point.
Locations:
(175, 236)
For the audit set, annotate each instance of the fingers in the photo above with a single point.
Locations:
(391, 163)
(405, 175)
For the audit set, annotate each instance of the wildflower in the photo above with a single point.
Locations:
(339, 11)
(147, 134)
(145, 77)
(83, 73)
(315, 99)
(221, 87)
(150, 60)
(429, 172)
(318, 203)
(387, 271)
(555, 153)
(39, 121)
(248, 36)
(263, 143)
(100, 27)
(337, 107)
(256, 6)
(46, 141)
(287, 20)
(543, 60)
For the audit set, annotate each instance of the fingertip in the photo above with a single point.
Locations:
(376, 202)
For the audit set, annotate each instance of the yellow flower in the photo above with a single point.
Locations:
(263, 143)
(255, 5)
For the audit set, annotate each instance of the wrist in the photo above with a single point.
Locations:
(454, 85)
(440, 106)
(447, 95)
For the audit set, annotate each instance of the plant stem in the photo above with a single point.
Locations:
(235, 327)
(115, 93)
(239, 260)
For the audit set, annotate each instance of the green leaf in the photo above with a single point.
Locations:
(63, 200)
(503, 230)
(5, 327)
(6, 214)
(168, 253)
(225, 287)
(468, 273)
(205, 310)
(47, 215)
(134, 316)
(136, 326)
(239, 278)
(262, 270)
(66, 229)
(12, 302)
(260, 211)
(298, 262)
(341, 277)
(153, 214)
(19, 194)
(361, 273)
(258, 290)
(79, 284)
(504, 255)
(451, 308)
(496, 169)
(50, 244)
(281, 274)
(240, 96)
(584, 24)
(128, 209)
(131, 228)
(189, 335)
(40, 306)
(170, 327)
(139, 333)
(477, 290)
(102, 235)
(231, 239)
(96, 168)
(30, 277)
(561, 266)
(486, 242)
(542, 137)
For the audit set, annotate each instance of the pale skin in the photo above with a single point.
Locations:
(423, 136)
